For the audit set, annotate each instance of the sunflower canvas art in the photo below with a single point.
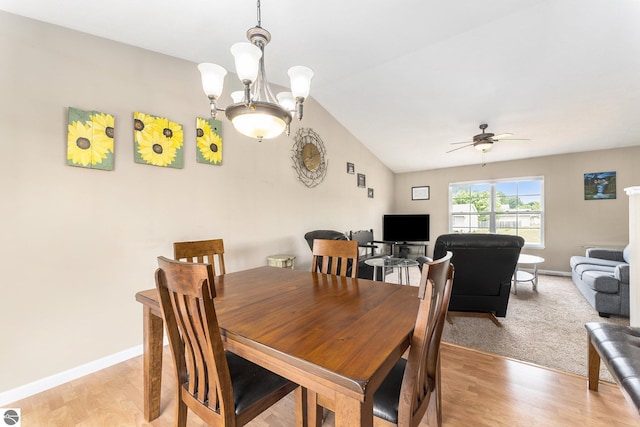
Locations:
(208, 141)
(157, 141)
(90, 139)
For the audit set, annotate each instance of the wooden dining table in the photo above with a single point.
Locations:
(334, 336)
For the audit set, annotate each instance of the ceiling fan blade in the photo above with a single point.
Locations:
(462, 142)
(514, 139)
(460, 148)
(502, 135)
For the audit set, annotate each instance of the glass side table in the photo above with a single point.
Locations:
(401, 264)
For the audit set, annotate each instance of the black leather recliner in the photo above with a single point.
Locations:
(484, 265)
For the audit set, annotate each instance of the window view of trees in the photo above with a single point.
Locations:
(503, 207)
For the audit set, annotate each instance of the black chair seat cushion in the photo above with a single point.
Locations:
(387, 397)
(251, 382)
(619, 348)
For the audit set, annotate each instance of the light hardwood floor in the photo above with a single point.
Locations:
(479, 389)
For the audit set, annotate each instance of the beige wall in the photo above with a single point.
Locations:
(78, 243)
(571, 223)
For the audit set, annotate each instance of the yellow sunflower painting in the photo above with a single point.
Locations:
(90, 137)
(208, 141)
(157, 141)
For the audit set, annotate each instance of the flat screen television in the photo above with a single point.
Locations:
(405, 228)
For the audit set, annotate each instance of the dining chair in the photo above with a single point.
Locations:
(206, 251)
(404, 396)
(413, 383)
(336, 257)
(222, 388)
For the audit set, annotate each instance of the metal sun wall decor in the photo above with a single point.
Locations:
(157, 141)
(209, 141)
(599, 185)
(309, 157)
(90, 139)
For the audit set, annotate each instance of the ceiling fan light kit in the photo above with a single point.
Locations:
(483, 146)
(255, 111)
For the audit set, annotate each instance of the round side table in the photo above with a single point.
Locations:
(520, 276)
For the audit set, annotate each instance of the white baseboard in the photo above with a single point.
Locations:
(55, 380)
(555, 273)
(548, 272)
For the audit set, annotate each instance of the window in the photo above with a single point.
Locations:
(510, 206)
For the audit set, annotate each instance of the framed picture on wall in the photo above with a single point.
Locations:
(420, 193)
(599, 185)
(362, 180)
(351, 168)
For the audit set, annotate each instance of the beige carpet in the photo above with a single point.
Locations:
(544, 327)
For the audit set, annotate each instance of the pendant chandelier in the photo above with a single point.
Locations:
(255, 111)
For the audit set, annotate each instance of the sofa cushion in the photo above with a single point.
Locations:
(601, 281)
(583, 260)
(582, 268)
(626, 254)
(605, 253)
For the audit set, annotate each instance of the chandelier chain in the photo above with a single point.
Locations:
(259, 15)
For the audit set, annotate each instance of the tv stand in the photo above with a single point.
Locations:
(401, 244)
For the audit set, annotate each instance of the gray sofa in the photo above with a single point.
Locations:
(602, 276)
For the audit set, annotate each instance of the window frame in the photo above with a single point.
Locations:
(493, 212)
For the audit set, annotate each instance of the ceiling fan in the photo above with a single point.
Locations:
(484, 141)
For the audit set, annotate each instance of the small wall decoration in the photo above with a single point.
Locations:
(362, 180)
(599, 185)
(370, 193)
(351, 168)
(420, 193)
(90, 139)
(208, 141)
(157, 141)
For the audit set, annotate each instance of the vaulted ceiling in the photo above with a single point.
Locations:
(408, 78)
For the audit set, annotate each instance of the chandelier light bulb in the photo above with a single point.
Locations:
(287, 101)
(237, 96)
(212, 78)
(247, 57)
(259, 126)
(300, 81)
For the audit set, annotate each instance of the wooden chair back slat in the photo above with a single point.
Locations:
(335, 257)
(203, 252)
